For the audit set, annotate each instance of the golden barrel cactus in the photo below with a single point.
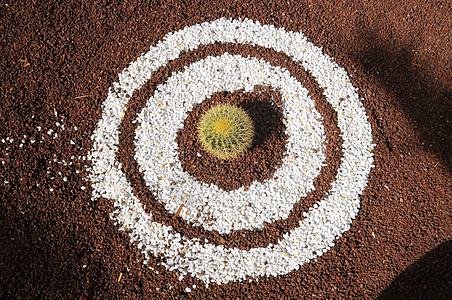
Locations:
(226, 131)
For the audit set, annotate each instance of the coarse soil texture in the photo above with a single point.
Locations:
(59, 61)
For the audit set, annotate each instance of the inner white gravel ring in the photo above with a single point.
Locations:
(321, 226)
(208, 205)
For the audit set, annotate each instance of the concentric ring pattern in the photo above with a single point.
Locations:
(243, 208)
(318, 228)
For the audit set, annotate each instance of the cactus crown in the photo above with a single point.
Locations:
(225, 131)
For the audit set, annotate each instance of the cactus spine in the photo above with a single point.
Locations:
(225, 131)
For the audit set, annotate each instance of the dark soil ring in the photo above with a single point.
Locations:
(242, 239)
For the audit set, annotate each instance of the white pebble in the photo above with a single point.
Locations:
(209, 263)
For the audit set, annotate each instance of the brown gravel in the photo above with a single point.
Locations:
(269, 145)
(262, 159)
(58, 61)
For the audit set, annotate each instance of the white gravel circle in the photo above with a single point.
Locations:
(208, 205)
(317, 230)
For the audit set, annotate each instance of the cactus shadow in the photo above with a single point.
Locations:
(267, 119)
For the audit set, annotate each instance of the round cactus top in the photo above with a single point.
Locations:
(226, 131)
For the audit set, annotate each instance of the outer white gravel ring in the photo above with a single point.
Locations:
(324, 222)
(208, 205)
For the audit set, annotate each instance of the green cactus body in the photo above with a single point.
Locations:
(226, 131)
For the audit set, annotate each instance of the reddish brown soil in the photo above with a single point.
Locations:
(58, 61)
